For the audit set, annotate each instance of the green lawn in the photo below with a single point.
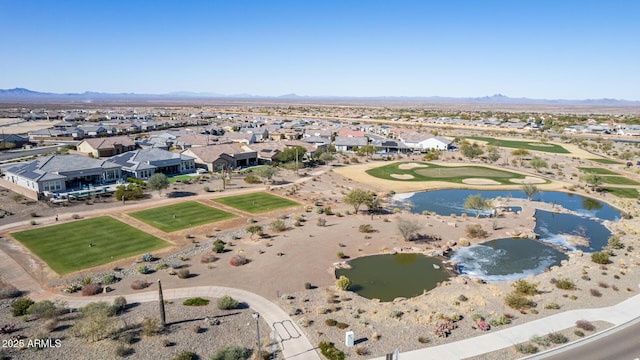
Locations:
(433, 172)
(179, 178)
(528, 145)
(623, 192)
(256, 203)
(65, 247)
(606, 161)
(180, 216)
(619, 180)
(594, 170)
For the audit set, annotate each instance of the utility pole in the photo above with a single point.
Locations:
(163, 319)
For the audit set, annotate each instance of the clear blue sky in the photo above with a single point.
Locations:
(535, 49)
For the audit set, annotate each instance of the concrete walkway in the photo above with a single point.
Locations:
(496, 340)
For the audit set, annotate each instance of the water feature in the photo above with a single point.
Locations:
(387, 277)
(506, 259)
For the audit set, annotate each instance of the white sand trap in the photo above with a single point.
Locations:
(480, 181)
(541, 144)
(528, 180)
(410, 166)
(402, 176)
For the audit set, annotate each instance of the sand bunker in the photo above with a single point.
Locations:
(410, 166)
(402, 176)
(541, 144)
(480, 181)
(528, 180)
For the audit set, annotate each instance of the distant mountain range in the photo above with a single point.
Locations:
(26, 95)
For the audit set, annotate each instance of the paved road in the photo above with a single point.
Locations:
(619, 343)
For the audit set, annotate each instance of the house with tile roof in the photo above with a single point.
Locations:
(143, 163)
(106, 147)
(223, 156)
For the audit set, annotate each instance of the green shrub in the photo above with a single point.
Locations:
(518, 302)
(614, 242)
(278, 225)
(343, 283)
(196, 301)
(161, 266)
(231, 352)
(119, 304)
(565, 284)
(227, 303)
(109, 279)
(151, 326)
(342, 325)
(308, 286)
(600, 257)
(523, 287)
(557, 338)
(142, 269)
(186, 355)
(20, 306)
(252, 179)
(331, 322)
(218, 246)
(526, 348)
(476, 231)
(183, 273)
(552, 306)
(365, 228)
(329, 351)
(44, 309)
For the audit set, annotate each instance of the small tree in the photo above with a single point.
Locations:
(158, 182)
(343, 283)
(227, 303)
(253, 230)
(265, 172)
(408, 228)
(357, 197)
(477, 203)
(471, 151)
(530, 190)
(492, 153)
(538, 163)
(593, 180)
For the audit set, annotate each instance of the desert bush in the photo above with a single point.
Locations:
(477, 317)
(308, 286)
(197, 329)
(557, 338)
(183, 273)
(395, 314)
(119, 304)
(331, 322)
(278, 225)
(361, 350)
(252, 179)
(603, 285)
(462, 298)
(329, 351)
(585, 325)
(475, 231)
(188, 355)
(343, 283)
(342, 325)
(565, 284)
(161, 266)
(44, 309)
(321, 222)
(7, 329)
(147, 257)
(139, 284)
(238, 260)
(9, 292)
(483, 326)
(423, 340)
(518, 302)
(600, 257)
(196, 301)
(142, 269)
(123, 351)
(20, 306)
(365, 228)
(340, 255)
(552, 306)
(208, 258)
(91, 289)
(614, 242)
(72, 288)
(542, 341)
(96, 322)
(526, 348)
(444, 328)
(109, 279)
(595, 292)
(524, 287)
(231, 352)
(227, 303)
(578, 333)
(151, 326)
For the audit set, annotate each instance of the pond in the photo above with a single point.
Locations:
(506, 259)
(447, 202)
(387, 277)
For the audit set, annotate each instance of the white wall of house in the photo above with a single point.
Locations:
(433, 143)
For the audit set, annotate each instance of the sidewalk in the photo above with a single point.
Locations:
(495, 340)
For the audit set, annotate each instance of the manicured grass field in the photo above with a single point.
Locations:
(630, 193)
(528, 145)
(180, 216)
(619, 180)
(256, 203)
(433, 172)
(601, 171)
(66, 247)
(179, 178)
(606, 161)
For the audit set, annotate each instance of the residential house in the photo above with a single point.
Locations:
(261, 133)
(62, 173)
(390, 146)
(12, 141)
(223, 156)
(427, 142)
(343, 143)
(143, 163)
(106, 147)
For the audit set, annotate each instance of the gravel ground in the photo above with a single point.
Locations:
(236, 327)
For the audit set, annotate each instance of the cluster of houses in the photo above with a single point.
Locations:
(100, 162)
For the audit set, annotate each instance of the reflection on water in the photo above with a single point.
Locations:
(387, 277)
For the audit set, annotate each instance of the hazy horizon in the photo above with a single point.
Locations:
(537, 50)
